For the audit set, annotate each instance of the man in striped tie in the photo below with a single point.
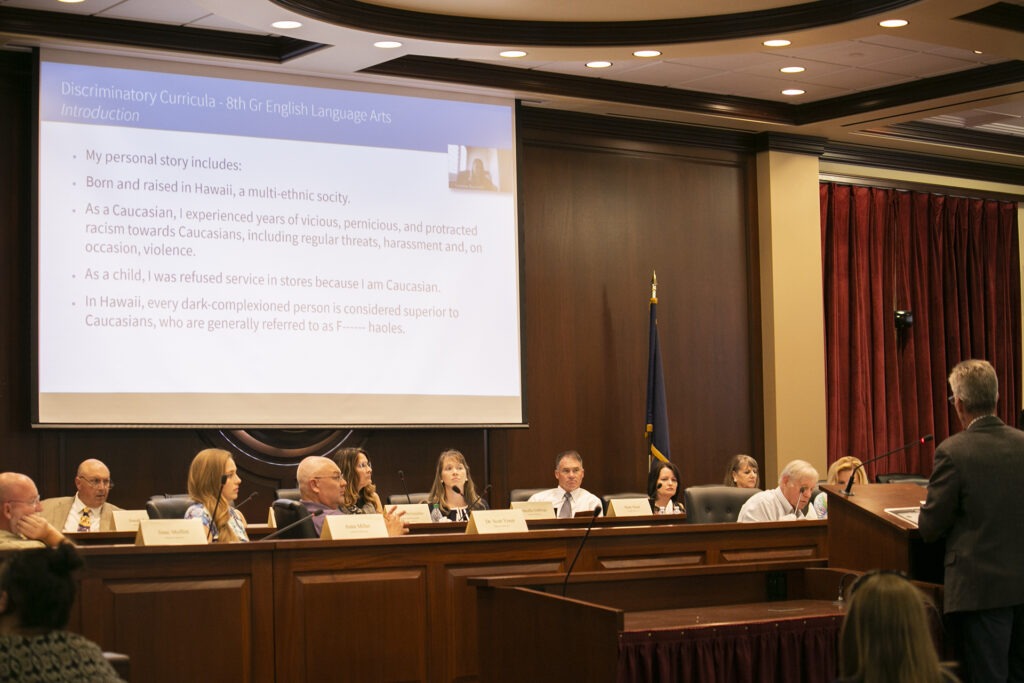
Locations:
(88, 510)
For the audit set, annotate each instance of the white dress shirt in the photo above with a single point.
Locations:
(582, 500)
(772, 506)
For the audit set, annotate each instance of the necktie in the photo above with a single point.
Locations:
(85, 521)
(566, 509)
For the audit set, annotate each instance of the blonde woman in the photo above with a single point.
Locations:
(453, 494)
(839, 473)
(213, 483)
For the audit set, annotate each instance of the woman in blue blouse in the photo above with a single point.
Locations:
(213, 483)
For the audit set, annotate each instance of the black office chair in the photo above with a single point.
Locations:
(714, 503)
(414, 497)
(172, 507)
(288, 494)
(287, 511)
(901, 478)
(607, 498)
(518, 495)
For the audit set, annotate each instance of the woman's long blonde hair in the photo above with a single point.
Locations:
(437, 492)
(204, 486)
(347, 460)
(886, 636)
(847, 462)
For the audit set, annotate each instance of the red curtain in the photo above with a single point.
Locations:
(954, 263)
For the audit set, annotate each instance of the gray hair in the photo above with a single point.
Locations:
(798, 469)
(974, 382)
(568, 454)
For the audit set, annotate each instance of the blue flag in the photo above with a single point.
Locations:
(657, 410)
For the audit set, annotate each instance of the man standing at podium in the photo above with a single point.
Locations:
(974, 500)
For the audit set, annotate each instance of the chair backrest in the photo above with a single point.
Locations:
(522, 494)
(288, 511)
(609, 497)
(901, 478)
(289, 494)
(714, 503)
(168, 508)
(414, 497)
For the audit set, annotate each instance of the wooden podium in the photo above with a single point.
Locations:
(863, 536)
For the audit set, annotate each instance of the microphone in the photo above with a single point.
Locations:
(472, 506)
(405, 487)
(213, 517)
(289, 527)
(849, 484)
(248, 498)
(565, 583)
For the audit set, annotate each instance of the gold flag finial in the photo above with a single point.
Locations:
(654, 285)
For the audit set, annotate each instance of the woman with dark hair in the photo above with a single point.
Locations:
(663, 488)
(213, 483)
(885, 637)
(36, 593)
(360, 495)
(453, 494)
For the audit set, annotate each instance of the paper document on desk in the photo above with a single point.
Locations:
(906, 514)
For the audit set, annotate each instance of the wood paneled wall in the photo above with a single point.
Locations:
(601, 207)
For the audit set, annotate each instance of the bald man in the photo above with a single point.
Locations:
(321, 487)
(21, 524)
(88, 510)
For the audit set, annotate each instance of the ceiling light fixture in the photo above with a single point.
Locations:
(792, 69)
(513, 54)
(71, 2)
(893, 23)
(600, 64)
(793, 92)
(779, 42)
(387, 44)
(978, 52)
(287, 24)
(647, 53)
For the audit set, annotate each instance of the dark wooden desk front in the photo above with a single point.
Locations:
(396, 609)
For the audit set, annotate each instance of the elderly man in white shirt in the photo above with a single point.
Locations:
(786, 502)
(88, 509)
(568, 498)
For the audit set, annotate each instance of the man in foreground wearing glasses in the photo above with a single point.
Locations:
(21, 525)
(321, 487)
(88, 510)
(974, 501)
(786, 502)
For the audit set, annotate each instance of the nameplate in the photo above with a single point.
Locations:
(415, 513)
(128, 520)
(537, 509)
(171, 532)
(339, 527)
(496, 522)
(629, 507)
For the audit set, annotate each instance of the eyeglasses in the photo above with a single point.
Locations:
(952, 399)
(335, 477)
(364, 465)
(98, 483)
(33, 501)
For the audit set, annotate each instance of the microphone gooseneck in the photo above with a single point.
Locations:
(405, 487)
(921, 441)
(247, 499)
(590, 525)
(213, 517)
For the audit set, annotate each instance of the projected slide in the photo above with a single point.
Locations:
(235, 252)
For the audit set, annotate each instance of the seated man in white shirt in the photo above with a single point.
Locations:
(21, 525)
(786, 502)
(87, 510)
(569, 498)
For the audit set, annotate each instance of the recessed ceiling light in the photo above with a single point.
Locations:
(387, 44)
(512, 54)
(71, 2)
(978, 52)
(793, 92)
(780, 42)
(600, 64)
(893, 23)
(792, 69)
(647, 53)
(287, 24)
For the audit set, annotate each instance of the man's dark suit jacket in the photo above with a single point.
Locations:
(976, 499)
